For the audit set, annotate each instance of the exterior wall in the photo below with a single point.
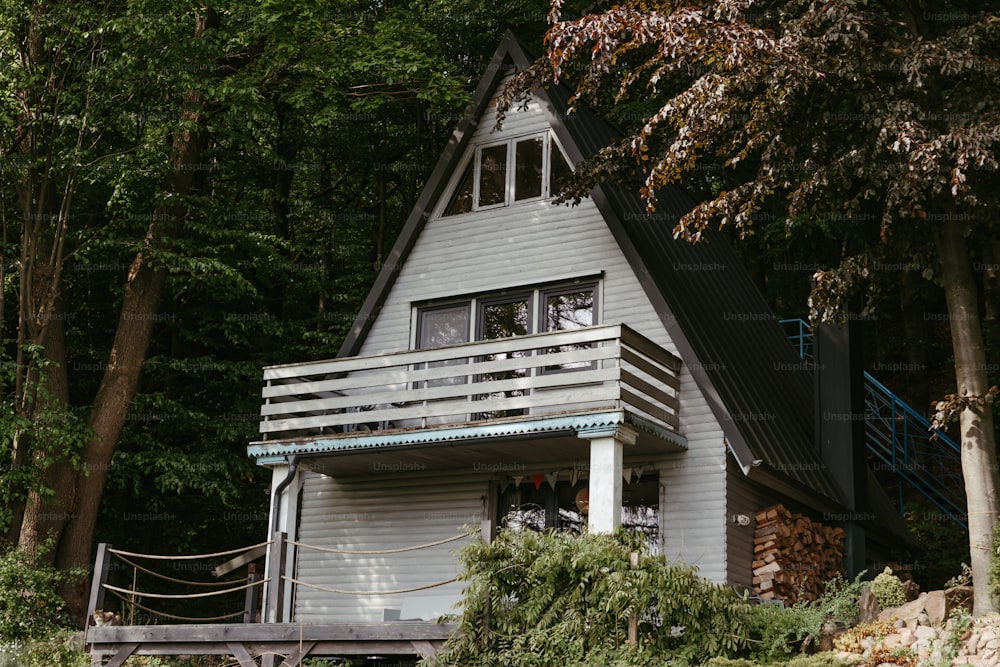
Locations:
(742, 497)
(537, 242)
(390, 510)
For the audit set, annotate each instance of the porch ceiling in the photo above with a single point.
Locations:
(501, 445)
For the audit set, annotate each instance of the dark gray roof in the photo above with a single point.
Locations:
(725, 332)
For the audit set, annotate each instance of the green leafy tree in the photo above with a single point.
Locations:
(878, 121)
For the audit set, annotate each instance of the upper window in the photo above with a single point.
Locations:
(491, 316)
(519, 169)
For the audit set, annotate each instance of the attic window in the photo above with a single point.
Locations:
(519, 169)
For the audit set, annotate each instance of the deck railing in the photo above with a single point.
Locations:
(589, 369)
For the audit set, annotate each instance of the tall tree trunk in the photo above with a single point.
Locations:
(978, 438)
(143, 289)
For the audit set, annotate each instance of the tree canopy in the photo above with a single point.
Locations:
(875, 124)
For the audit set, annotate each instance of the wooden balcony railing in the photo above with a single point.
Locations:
(590, 369)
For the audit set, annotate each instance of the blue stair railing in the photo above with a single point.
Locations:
(902, 440)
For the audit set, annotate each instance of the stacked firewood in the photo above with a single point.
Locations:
(794, 556)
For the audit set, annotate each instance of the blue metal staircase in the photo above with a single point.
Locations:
(902, 441)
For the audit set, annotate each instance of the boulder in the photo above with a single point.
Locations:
(936, 607)
(906, 613)
(868, 605)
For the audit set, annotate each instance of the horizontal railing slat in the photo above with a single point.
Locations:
(405, 375)
(606, 396)
(657, 372)
(582, 376)
(647, 347)
(635, 382)
(477, 348)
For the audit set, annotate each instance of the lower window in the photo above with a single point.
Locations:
(564, 507)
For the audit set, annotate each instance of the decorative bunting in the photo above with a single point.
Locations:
(574, 475)
(627, 475)
(538, 480)
(551, 478)
(517, 480)
(638, 472)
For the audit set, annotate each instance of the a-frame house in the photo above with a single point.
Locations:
(521, 363)
(675, 391)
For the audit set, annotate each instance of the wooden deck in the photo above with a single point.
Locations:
(266, 644)
(594, 368)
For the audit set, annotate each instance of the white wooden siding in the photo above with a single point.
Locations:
(537, 242)
(385, 511)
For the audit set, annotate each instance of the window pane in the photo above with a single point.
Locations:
(560, 171)
(565, 312)
(493, 175)
(461, 201)
(569, 311)
(503, 320)
(444, 326)
(528, 169)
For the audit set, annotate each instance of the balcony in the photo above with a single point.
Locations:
(584, 371)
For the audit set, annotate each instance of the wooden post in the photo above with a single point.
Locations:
(276, 587)
(633, 619)
(252, 601)
(102, 565)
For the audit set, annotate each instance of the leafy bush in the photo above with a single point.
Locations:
(778, 632)
(560, 599)
(61, 648)
(852, 640)
(29, 603)
(888, 590)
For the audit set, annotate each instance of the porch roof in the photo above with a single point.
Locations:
(511, 440)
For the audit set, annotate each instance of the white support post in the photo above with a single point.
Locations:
(286, 510)
(606, 451)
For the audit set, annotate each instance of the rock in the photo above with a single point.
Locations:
(908, 611)
(899, 623)
(936, 607)
(906, 637)
(868, 605)
(923, 619)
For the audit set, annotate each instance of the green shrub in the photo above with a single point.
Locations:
(839, 601)
(888, 590)
(560, 599)
(57, 649)
(29, 603)
(778, 633)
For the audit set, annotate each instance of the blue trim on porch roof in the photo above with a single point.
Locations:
(271, 453)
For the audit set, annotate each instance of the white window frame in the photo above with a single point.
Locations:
(510, 176)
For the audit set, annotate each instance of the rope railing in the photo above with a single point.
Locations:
(172, 580)
(339, 591)
(187, 596)
(380, 552)
(132, 554)
(175, 617)
(251, 585)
